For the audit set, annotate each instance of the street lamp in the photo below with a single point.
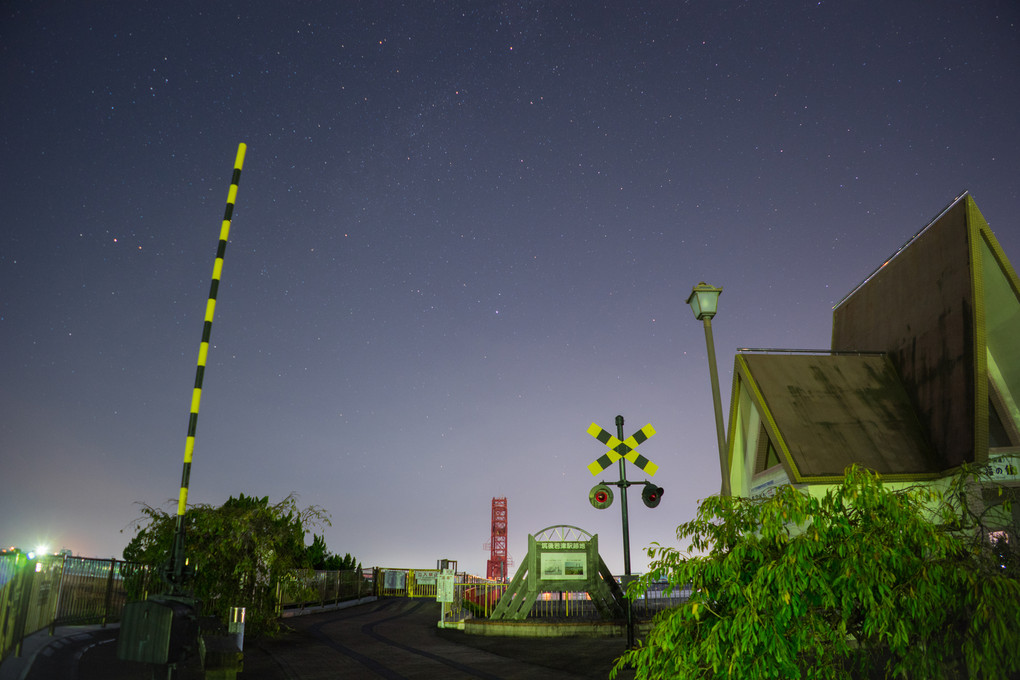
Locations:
(704, 300)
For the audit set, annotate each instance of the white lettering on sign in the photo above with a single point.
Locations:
(563, 545)
(444, 587)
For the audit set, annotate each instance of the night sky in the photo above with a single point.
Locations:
(464, 232)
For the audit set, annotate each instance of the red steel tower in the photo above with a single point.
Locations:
(497, 565)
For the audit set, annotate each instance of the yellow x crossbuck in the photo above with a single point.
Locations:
(625, 449)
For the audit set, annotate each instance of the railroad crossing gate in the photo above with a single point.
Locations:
(561, 559)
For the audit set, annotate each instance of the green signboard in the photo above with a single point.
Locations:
(561, 559)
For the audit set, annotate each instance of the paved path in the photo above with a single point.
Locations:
(395, 639)
(398, 638)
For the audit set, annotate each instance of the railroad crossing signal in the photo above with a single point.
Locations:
(625, 449)
(600, 496)
(651, 495)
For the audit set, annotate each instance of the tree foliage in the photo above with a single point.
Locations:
(318, 557)
(240, 551)
(865, 582)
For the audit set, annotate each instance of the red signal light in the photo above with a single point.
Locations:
(600, 496)
(651, 494)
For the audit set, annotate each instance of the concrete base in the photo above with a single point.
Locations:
(302, 611)
(580, 629)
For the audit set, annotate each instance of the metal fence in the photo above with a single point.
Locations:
(309, 588)
(401, 582)
(477, 598)
(51, 590)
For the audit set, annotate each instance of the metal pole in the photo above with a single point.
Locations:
(109, 591)
(626, 536)
(60, 594)
(717, 403)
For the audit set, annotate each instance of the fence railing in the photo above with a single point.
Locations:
(477, 599)
(50, 590)
(401, 582)
(47, 591)
(309, 588)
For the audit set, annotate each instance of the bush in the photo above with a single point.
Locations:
(865, 582)
(241, 551)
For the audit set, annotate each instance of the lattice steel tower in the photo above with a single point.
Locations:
(497, 565)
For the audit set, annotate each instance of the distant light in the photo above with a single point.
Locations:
(42, 549)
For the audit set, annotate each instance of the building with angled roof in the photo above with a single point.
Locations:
(923, 374)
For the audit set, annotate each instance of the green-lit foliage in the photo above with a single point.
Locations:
(863, 583)
(318, 557)
(241, 551)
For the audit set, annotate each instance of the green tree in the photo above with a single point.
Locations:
(865, 582)
(317, 556)
(317, 553)
(345, 563)
(241, 551)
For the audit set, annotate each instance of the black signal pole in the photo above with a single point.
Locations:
(623, 484)
(622, 450)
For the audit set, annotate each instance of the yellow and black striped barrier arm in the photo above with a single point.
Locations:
(210, 310)
(176, 567)
(625, 449)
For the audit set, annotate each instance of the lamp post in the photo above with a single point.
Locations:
(704, 300)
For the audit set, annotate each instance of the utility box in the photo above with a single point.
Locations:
(159, 630)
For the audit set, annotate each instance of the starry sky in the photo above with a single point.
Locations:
(464, 232)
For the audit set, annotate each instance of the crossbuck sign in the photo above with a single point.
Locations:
(625, 449)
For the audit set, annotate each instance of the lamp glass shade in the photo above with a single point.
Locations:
(704, 300)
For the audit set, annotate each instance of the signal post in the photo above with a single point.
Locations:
(601, 496)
